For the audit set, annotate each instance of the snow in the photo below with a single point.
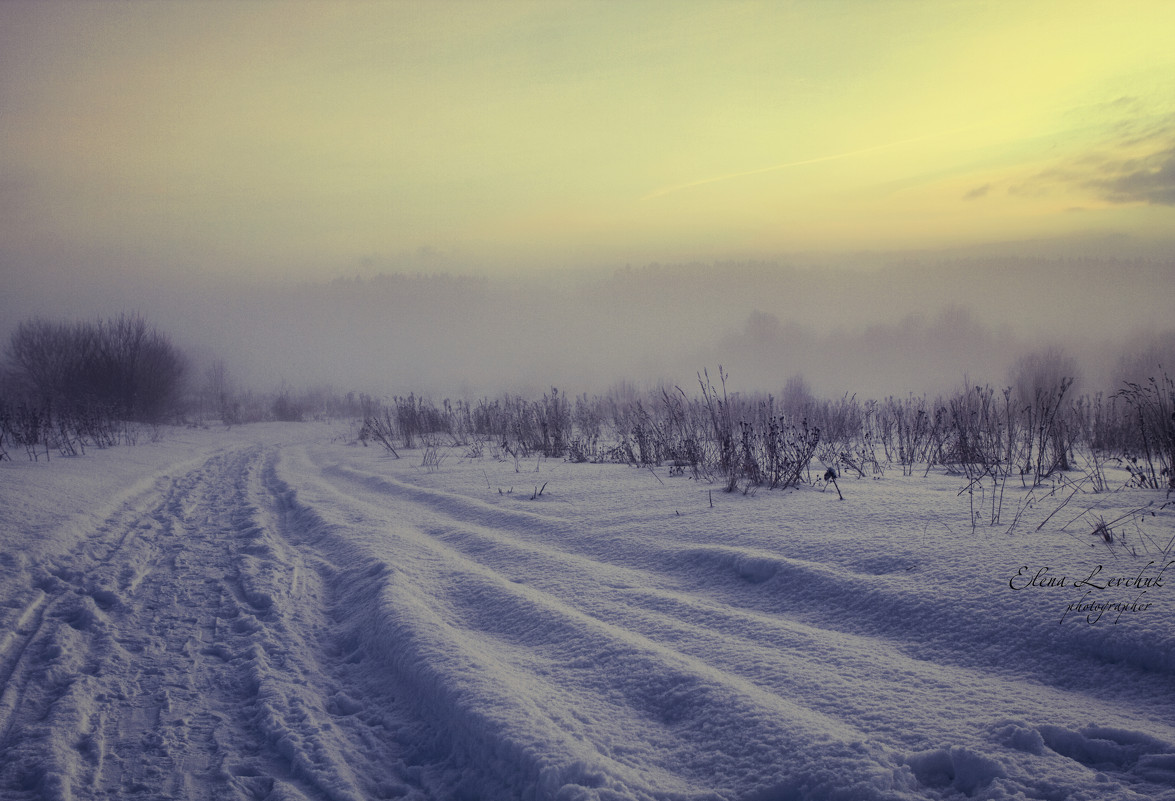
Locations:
(273, 612)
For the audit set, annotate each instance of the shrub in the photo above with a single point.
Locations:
(381, 427)
(1153, 411)
(1041, 381)
(285, 409)
(121, 364)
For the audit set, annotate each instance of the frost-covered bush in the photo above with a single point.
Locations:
(1152, 407)
(40, 430)
(1042, 382)
(122, 364)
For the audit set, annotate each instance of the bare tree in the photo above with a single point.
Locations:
(123, 364)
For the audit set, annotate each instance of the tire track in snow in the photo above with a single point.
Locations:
(826, 597)
(329, 710)
(560, 690)
(124, 687)
(536, 597)
(12, 650)
(395, 710)
(148, 658)
(198, 643)
(37, 681)
(66, 588)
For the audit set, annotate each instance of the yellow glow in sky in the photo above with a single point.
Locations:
(557, 133)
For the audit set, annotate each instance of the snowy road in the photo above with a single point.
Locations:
(270, 613)
(172, 652)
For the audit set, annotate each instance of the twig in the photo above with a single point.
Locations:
(1059, 508)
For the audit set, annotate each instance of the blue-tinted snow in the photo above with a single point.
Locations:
(270, 612)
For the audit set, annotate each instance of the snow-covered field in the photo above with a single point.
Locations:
(271, 612)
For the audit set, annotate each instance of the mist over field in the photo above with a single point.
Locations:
(873, 325)
(397, 197)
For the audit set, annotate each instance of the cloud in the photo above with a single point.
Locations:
(1115, 172)
(1149, 180)
(1135, 132)
(977, 192)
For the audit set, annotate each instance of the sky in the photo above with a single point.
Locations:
(270, 141)
(303, 135)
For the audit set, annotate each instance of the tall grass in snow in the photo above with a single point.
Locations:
(1152, 411)
(1029, 432)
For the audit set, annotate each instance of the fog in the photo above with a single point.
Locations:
(392, 197)
(868, 324)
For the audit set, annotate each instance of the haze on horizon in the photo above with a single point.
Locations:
(218, 166)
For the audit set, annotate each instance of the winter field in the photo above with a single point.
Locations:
(273, 611)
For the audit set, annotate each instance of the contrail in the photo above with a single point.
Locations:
(677, 188)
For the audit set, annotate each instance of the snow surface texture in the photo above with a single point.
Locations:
(269, 612)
